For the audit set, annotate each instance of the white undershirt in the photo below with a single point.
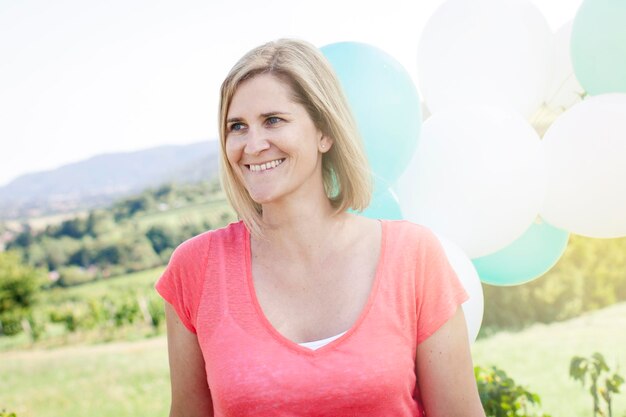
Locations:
(316, 344)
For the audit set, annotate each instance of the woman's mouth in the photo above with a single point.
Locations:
(265, 166)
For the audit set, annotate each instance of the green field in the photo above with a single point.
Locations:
(539, 358)
(189, 214)
(110, 380)
(129, 379)
(133, 282)
(116, 287)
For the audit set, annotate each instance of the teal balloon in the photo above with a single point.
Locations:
(384, 203)
(384, 102)
(529, 257)
(598, 46)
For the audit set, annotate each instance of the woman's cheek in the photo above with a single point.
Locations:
(233, 151)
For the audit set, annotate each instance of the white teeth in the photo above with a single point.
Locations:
(266, 165)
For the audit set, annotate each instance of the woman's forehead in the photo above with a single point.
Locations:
(259, 92)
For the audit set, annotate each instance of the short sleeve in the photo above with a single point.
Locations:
(439, 292)
(182, 281)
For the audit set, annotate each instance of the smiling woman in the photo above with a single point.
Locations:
(302, 308)
(301, 80)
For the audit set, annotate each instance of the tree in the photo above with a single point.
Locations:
(58, 251)
(99, 222)
(74, 228)
(19, 286)
(24, 239)
(162, 237)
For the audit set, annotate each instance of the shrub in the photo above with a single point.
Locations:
(602, 384)
(157, 312)
(11, 321)
(501, 397)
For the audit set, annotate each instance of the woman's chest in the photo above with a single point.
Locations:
(368, 371)
(305, 304)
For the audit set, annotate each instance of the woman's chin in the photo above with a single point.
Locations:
(263, 198)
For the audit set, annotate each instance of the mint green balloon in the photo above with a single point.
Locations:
(384, 205)
(598, 46)
(384, 101)
(529, 257)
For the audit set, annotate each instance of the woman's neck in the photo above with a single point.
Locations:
(301, 230)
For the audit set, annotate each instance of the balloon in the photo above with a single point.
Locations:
(384, 205)
(477, 177)
(529, 257)
(599, 46)
(564, 90)
(473, 308)
(586, 168)
(493, 52)
(384, 101)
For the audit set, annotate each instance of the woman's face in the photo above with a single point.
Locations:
(272, 144)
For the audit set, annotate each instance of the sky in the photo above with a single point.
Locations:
(80, 78)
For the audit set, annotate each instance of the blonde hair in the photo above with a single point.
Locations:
(346, 173)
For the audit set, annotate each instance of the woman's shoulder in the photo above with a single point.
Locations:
(410, 235)
(408, 228)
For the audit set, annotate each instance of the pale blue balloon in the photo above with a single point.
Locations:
(384, 102)
(529, 257)
(384, 203)
(598, 46)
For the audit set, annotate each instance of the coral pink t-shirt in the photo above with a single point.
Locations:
(252, 370)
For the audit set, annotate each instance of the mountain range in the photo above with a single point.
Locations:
(103, 178)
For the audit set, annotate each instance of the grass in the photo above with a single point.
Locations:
(111, 380)
(190, 214)
(539, 358)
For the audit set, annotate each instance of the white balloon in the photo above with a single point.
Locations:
(477, 177)
(586, 168)
(494, 52)
(564, 90)
(473, 308)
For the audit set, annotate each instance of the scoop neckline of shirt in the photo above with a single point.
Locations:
(290, 344)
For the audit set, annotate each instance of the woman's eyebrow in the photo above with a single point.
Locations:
(262, 115)
(273, 113)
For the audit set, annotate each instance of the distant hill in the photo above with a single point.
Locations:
(100, 179)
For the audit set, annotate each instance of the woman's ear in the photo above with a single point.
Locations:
(325, 144)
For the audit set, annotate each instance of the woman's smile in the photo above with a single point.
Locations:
(266, 166)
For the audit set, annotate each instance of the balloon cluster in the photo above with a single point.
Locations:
(526, 139)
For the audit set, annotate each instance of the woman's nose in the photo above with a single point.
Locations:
(257, 141)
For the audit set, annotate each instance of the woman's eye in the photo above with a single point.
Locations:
(273, 120)
(236, 127)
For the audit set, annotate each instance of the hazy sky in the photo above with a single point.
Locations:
(79, 78)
